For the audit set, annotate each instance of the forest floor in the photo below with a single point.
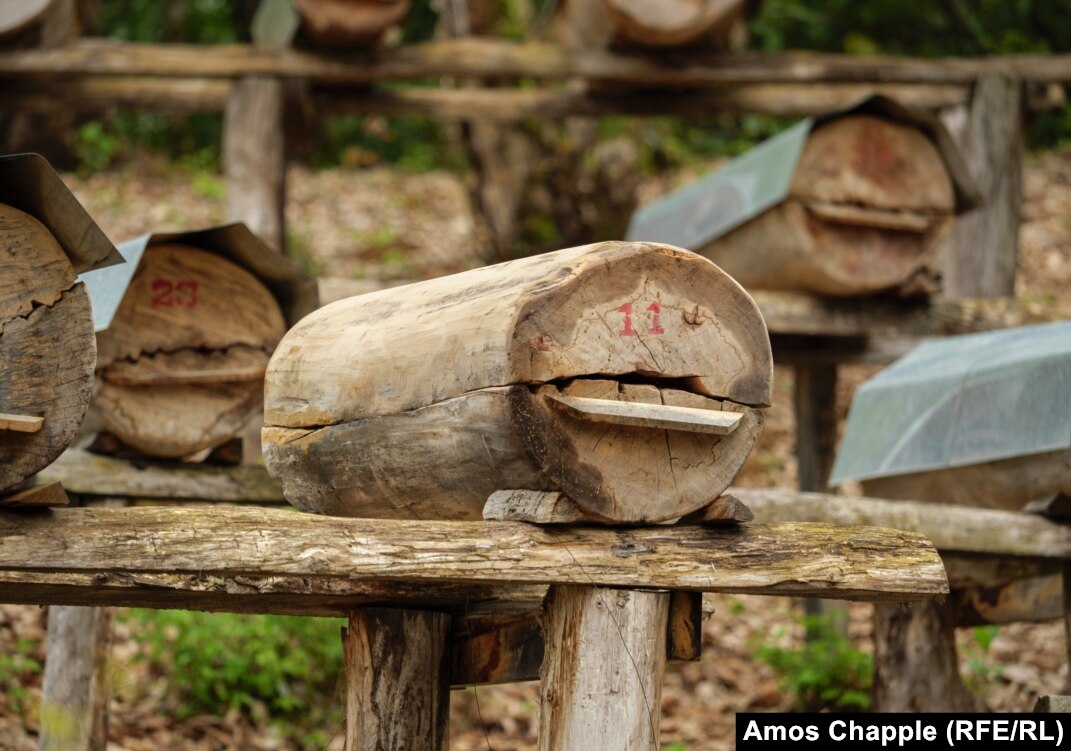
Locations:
(383, 224)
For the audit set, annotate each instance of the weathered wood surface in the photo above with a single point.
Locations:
(397, 680)
(676, 23)
(601, 683)
(1060, 704)
(482, 58)
(46, 347)
(91, 474)
(254, 157)
(185, 95)
(869, 207)
(423, 400)
(534, 506)
(684, 627)
(915, 663)
(349, 23)
(126, 548)
(982, 250)
(35, 496)
(949, 528)
(21, 423)
(76, 687)
(725, 509)
(179, 367)
(1038, 598)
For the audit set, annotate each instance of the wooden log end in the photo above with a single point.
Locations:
(533, 506)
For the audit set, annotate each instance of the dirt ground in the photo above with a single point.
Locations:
(384, 224)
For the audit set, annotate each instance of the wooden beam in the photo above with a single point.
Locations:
(950, 528)
(95, 475)
(482, 58)
(179, 547)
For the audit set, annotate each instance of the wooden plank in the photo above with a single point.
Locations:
(640, 415)
(483, 58)
(950, 528)
(397, 687)
(497, 648)
(602, 674)
(725, 509)
(36, 496)
(91, 474)
(188, 543)
(21, 423)
(684, 628)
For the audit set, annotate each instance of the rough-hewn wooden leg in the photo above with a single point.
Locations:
(397, 680)
(602, 673)
(254, 157)
(74, 700)
(915, 664)
(815, 402)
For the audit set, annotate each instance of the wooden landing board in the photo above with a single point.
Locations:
(49, 495)
(21, 423)
(197, 556)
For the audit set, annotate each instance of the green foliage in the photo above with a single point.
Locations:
(95, 147)
(827, 672)
(289, 665)
(17, 667)
(980, 670)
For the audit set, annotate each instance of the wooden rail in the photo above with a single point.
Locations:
(482, 58)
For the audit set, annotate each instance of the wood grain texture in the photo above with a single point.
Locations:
(1038, 598)
(534, 506)
(481, 58)
(193, 316)
(829, 561)
(21, 423)
(375, 401)
(76, 687)
(46, 366)
(602, 673)
(397, 680)
(497, 648)
(36, 271)
(725, 509)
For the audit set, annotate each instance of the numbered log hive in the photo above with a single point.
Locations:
(47, 347)
(868, 207)
(181, 366)
(629, 376)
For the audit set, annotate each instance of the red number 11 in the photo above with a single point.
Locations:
(656, 320)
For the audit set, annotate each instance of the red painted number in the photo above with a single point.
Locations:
(655, 329)
(627, 330)
(168, 294)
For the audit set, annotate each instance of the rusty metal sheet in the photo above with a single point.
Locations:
(296, 292)
(961, 401)
(28, 182)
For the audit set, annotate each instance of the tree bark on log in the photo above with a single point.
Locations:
(254, 157)
(603, 668)
(397, 680)
(75, 692)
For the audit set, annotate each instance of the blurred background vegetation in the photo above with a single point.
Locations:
(901, 27)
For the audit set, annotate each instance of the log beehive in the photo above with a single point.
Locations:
(868, 207)
(46, 348)
(349, 23)
(180, 368)
(629, 376)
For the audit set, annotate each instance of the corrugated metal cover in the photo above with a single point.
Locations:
(961, 401)
(106, 287)
(693, 216)
(28, 182)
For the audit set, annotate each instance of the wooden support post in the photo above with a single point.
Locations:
(397, 680)
(914, 668)
(981, 254)
(74, 697)
(602, 674)
(254, 157)
(815, 402)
